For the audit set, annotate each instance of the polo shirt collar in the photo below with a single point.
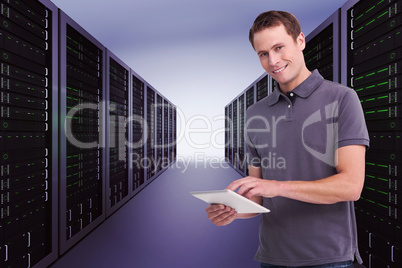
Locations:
(305, 89)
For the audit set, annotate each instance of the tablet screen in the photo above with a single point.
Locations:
(231, 199)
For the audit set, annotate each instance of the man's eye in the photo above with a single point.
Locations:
(263, 54)
(279, 48)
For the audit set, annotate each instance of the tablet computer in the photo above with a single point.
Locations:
(229, 198)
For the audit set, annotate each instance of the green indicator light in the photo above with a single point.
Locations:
(370, 22)
(381, 192)
(359, 17)
(384, 166)
(370, 164)
(371, 189)
(398, 33)
(361, 101)
(382, 84)
(358, 78)
(370, 201)
(370, 99)
(382, 14)
(383, 179)
(370, 112)
(382, 206)
(359, 29)
(370, 86)
(360, 89)
(380, 2)
(383, 70)
(383, 97)
(381, 111)
(370, 176)
(370, 74)
(370, 9)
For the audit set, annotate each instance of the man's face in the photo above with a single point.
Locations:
(281, 56)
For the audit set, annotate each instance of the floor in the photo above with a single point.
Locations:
(164, 226)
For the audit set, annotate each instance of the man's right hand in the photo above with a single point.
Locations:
(221, 215)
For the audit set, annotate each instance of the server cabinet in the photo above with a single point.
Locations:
(165, 158)
(174, 130)
(262, 87)
(28, 133)
(235, 135)
(159, 132)
(371, 34)
(323, 47)
(250, 100)
(231, 134)
(171, 140)
(82, 132)
(150, 151)
(227, 133)
(138, 132)
(242, 114)
(250, 97)
(118, 175)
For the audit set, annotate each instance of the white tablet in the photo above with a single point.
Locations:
(231, 199)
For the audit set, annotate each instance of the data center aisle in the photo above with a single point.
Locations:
(164, 226)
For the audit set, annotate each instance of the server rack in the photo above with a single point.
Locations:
(371, 34)
(242, 115)
(263, 88)
(174, 130)
(159, 132)
(231, 134)
(165, 158)
(138, 132)
(118, 175)
(323, 47)
(235, 135)
(250, 100)
(150, 156)
(28, 89)
(227, 133)
(171, 141)
(82, 135)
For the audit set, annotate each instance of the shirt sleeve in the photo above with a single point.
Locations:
(352, 128)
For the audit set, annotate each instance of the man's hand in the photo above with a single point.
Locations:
(220, 214)
(251, 186)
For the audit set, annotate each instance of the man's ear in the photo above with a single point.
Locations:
(301, 41)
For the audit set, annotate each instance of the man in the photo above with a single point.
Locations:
(306, 147)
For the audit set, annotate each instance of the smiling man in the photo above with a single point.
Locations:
(318, 130)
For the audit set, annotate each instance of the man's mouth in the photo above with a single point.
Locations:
(280, 70)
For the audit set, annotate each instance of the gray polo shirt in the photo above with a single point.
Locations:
(294, 137)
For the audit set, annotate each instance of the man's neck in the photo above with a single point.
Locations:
(305, 73)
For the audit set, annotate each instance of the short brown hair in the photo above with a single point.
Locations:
(275, 18)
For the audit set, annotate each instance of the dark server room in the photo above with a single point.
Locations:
(91, 171)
